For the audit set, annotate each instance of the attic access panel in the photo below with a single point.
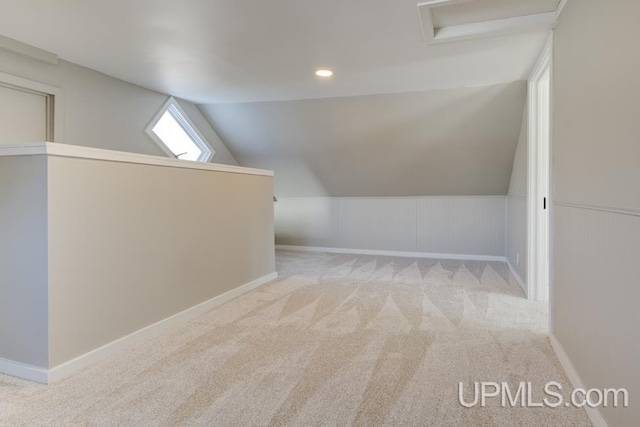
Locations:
(453, 20)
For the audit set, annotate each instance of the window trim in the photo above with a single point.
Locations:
(189, 127)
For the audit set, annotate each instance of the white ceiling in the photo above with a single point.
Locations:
(216, 51)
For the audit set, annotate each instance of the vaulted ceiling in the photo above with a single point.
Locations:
(401, 116)
(445, 142)
(214, 51)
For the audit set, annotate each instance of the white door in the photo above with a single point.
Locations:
(23, 116)
(543, 135)
(539, 200)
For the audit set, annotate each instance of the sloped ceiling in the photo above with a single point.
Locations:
(398, 118)
(215, 51)
(444, 142)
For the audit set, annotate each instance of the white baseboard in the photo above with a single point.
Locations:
(593, 413)
(24, 371)
(59, 372)
(393, 253)
(517, 277)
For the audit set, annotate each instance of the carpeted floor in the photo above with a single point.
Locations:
(335, 340)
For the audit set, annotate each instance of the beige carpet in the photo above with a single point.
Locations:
(335, 340)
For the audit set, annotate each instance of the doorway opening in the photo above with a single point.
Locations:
(539, 191)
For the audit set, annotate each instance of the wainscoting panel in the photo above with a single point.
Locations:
(383, 224)
(441, 225)
(595, 296)
(461, 225)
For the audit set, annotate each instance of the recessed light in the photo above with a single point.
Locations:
(324, 73)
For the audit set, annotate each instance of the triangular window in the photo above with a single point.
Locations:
(172, 130)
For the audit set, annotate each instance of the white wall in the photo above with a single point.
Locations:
(516, 243)
(103, 112)
(130, 245)
(441, 225)
(94, 250)
(596, 244)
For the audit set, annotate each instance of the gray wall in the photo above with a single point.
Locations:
(516, 222)
(596, 245)
(23, 260)
(130, 245)
(104, 112)
(443, 225)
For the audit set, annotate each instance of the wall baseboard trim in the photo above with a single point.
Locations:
(594, 415)
(24, 371)
(59, 372)
(392, 253)
(517, 277)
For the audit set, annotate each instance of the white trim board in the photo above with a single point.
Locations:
(517, 276)
(540, 179)
(393, 253)
(28, 51)
(594, 415)
(491, 196)
(59, 372)
(81, 152)
(560, 8)
(600, 208)
(24, 371)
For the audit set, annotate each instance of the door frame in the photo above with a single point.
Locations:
(538, 268)
(55, 102)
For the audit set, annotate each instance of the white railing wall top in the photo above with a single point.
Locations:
(81, 152)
